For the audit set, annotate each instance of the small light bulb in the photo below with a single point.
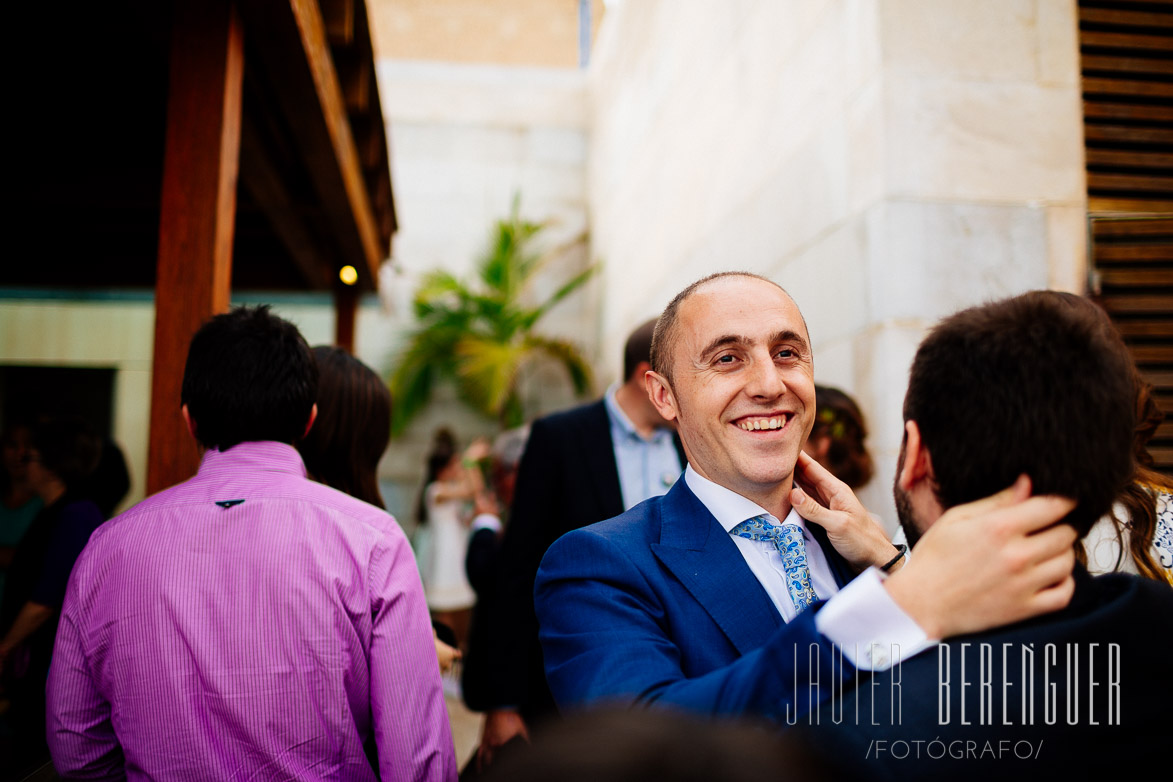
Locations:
(348, 275)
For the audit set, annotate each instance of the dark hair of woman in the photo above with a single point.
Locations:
(1139, 498)
(353, 427)
(837, 438)
(443, 449)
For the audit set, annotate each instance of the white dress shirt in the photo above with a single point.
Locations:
(861, 619)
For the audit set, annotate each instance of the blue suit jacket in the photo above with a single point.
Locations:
(658, 606)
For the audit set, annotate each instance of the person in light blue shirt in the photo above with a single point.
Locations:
(647, 454)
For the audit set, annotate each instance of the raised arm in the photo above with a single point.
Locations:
(983, 564)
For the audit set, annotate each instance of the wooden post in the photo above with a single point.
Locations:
(197, 213)
(345, 315)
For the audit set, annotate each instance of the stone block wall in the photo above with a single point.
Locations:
(887, 161)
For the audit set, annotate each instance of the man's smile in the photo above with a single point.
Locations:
(763, 422)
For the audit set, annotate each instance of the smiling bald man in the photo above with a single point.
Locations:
(688, 600)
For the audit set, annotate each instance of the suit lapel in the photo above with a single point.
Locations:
(702, 556)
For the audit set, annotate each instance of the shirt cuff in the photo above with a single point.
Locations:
(486, 521)
(864, 621)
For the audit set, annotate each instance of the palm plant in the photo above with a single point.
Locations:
(481, 337)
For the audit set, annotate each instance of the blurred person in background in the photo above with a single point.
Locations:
(19, 504)
(837, 439)
(622, 745)
(1137, 536)
(445, 510)
(61, 454)
(109, 483)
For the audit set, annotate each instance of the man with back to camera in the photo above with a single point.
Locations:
(686, 600)
(248, 623)
(1041, 385)
(580, 466)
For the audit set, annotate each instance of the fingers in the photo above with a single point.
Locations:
(1055, 541)
(809, 509)
(1036, 514)
(816, 478)
(1053, 598)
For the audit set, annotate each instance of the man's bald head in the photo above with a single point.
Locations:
(667, 327)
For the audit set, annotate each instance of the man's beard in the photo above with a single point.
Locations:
(904, 505)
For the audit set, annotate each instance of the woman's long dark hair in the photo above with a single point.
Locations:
(353, 426)
(1140, 497)
(838, 418)
(443, 449)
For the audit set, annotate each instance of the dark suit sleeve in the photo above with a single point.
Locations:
(606, 638)
(508, 653)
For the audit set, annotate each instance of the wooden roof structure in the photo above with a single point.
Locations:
(198, 147)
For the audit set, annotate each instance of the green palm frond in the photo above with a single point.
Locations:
(481, 337)
(488, 372)
(568, 355)
(575, 282)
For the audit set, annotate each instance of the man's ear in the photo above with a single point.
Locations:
(918, 463)
(661, 395)
(310, 423)
(191, 423)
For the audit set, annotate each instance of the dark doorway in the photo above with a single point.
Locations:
(27, 393)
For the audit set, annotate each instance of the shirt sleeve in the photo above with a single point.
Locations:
(410, 719)
(79, 730)
(864, 621)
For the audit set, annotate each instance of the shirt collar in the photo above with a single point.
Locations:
(621, 424)
(618, 418)
(264, 455)
(727, 506)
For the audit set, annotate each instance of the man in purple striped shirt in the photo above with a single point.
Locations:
(248, 623)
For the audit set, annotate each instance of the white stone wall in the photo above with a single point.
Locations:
(465, 139)
(887, 161)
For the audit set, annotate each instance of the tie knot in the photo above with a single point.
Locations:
(758, 528)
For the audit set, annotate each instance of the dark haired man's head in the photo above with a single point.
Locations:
(249, 376)
(633, 745)
(353, 426)
(1038, 384)
(638, 350)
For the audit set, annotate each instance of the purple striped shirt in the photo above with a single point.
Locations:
(247, 624)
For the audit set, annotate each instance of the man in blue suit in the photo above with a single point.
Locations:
(687, 600)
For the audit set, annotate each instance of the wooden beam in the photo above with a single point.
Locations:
(338, 16)
(292, 49)
(345, 316)
(197, 211)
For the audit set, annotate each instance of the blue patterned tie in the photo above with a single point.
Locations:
(787, 538)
